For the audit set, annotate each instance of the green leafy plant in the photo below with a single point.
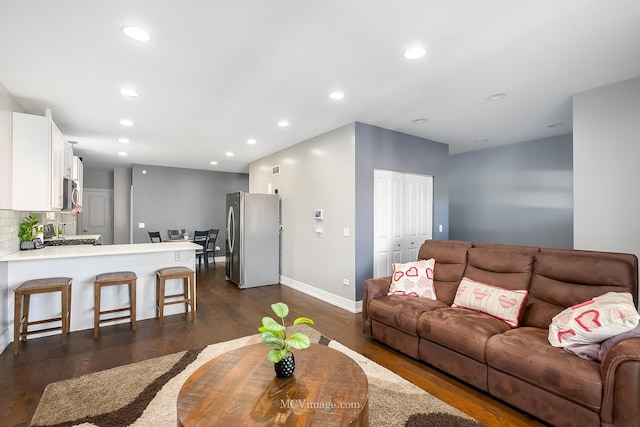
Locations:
(27, 232)
(274, 334)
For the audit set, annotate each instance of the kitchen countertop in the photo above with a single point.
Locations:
(74, 251)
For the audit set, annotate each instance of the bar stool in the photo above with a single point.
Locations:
(22, 295)
(187, 297)
(114, 279)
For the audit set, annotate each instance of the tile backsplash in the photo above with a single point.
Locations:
(10, 222)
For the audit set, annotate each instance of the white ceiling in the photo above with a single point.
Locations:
(216, 73)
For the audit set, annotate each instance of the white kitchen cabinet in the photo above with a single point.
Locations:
(68, 160)
(38, 153)
(77, 176)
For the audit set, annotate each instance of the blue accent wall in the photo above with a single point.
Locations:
(519, 194)
(378, 148)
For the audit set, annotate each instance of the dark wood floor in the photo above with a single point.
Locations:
(224, 312)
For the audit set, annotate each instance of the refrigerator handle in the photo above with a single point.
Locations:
(230, 224)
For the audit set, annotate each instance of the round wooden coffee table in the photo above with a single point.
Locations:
(240, 388)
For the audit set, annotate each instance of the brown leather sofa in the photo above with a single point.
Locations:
(518, 365)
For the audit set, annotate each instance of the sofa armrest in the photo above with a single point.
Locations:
(621, 384)
(373, 288)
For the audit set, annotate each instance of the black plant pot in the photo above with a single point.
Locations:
(26, 245)
(285, 367)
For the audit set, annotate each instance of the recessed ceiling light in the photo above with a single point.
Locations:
(496, 97)
(283, 123)
(419, 121)
(556, 125)
(144, 171)
(137, 34)
(416, 52)
(123, 141)
(228, 154)
(126, 122)
(122, 153)
(129, 92)
(481, 141)
(336, 96)
(214, 162)
(251, 141)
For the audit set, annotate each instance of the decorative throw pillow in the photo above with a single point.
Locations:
(504, 304)
(413, 279)
(595, 320)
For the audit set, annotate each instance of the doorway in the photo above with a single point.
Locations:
(402, 218)
(97, 216)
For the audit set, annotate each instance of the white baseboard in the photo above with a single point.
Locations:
(344, 303)
(5, 340)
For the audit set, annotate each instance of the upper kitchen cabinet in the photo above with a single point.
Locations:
(77, 172)
(38, 164)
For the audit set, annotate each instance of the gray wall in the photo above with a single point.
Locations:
(95, 178)
(378, 148)
(606, 174)
(315, 174)
(121, 206)
(518, 194)
(165, 198)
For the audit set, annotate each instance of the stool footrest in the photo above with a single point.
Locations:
(115, 310)
(112, 319)
(180, 301)
(37, 322)
(40, 331)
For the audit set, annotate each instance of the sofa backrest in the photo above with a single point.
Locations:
(563, 278)
(451, 260)
(508, 267)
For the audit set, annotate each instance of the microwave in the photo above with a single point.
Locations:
(70, 194)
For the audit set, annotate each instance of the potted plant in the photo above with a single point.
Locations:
(185, 235)
(274, 335)
(27, 232)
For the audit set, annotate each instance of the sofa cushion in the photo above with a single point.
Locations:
(503, 304)
(595, 320)
(563, 278)
(525, 353)
(413, 279)
(451, 260)
(401, 312)
(461, 330)
(500, 267)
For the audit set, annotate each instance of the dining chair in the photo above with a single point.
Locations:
(211, 245)
(155, 236)
(201, 237)
(176, 234)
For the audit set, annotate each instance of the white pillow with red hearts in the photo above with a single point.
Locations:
(595, 320)
(504, 304)
(414, 279)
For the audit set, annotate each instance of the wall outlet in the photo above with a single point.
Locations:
(178, 256)
(346, 231)
(141, 225)
(440, 228)
(345, 282)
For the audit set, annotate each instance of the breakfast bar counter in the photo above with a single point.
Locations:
(82, 263)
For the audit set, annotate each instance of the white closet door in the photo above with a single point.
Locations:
(403, 217)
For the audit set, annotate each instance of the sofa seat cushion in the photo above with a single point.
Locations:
(525, 353)
(459, 329)
(401, 312)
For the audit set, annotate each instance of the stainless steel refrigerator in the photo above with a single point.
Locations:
(253, 239)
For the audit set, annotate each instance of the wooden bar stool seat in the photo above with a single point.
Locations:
(22, 296)
(187, 296)
(128, 278)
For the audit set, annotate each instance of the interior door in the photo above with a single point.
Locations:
(403, 217)
(97, 214)
(387, 221)
(418, 207)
